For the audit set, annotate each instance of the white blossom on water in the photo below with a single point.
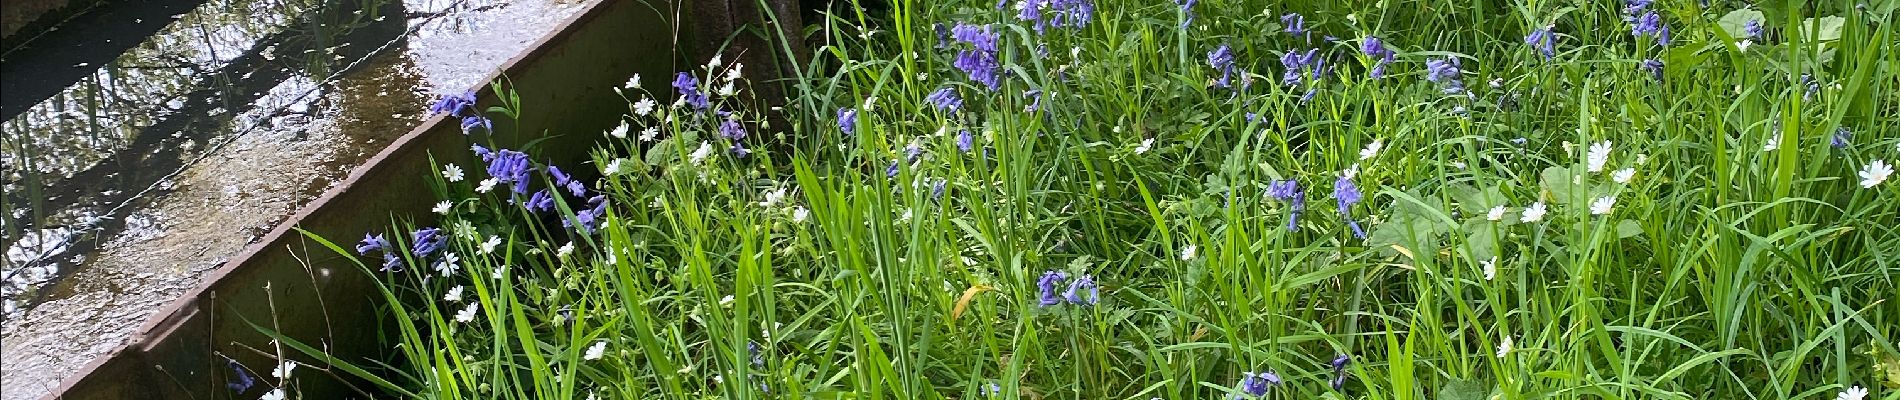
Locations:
(468, 313)
(454, 295)
(452, 172)
(1623, 175)
(1599, 155)
(1603, 205)
(1874, 173)
(1496, 213)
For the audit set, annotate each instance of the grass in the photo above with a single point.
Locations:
(1723, 270)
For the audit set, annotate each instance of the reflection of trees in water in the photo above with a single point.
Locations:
(77, 160)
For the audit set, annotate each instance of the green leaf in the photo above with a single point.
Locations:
(1463, 390)
(1829, 28)
(1735, 20)
(1561, 184)
(1626, 229)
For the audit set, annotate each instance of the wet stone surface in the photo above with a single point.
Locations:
(121, 190)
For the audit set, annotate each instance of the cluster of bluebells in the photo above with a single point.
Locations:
(1222, 59)
(1043, 14)
(462, 106)
(1446, 71)
(981, 62)
(1081, 291)
(1348, 194)
(423, 243)
(734, 131)
(1187, 12)
(1289, 191)
(1295, 25)
(1374, 47)
(688, 87)
(1544, 41)
(945, 99)
(1647, 23)
(1257, 384)
(1339, 371)
(1300, 66)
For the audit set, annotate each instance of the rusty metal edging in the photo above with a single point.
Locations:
(564, 82)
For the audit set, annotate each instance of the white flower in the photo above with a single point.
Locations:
(449, 264)
(499, 272)
(1350, 172)
(643, 107)
(1874, 173)
(727, 90)
(489, 245)
(273, 394)
(1602, 205)
(619, 131)
(1774, 142)
(1534, 213)
(726, 301)
(612, 168)
(283, 369)
(452, 172)
(699, 156)
(565, 250)
(1372, 149)
(870, 103)
(468, 313)
(1623, 175)
(1187, 253)
(799, 214)
(443, 207)
(904, 218)
(487, 185)
(1504, 346)
(734, 73)
(1496, 213)
(454, 295)
(593, 396)
(594, 352)
(772, 198)
(650, 133)
(1599, 155)
(634, 82)
(1743, 45)
(1852, 393)
(1146, 144)
(1490, 268)
(715, 62)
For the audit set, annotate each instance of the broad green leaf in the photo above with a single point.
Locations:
(1627, 229)
(1829, 28)
(1735, 20)
(1463, 390)
(1561, 184)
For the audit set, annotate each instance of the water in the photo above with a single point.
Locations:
(125, 185)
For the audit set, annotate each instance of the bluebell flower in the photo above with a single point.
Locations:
(1187, 11)
(562, 180)
(241, 380)
(1374, 47)
(1072, 14)
(372, 242)
(1632, 7)
(454, 104)
(1378, 69)
(1295, 24)
(1035, 100)
(1445, 71)
(891, 171)
(978, 36)
(1082, 291)
(1288, 190)
(848, 120)
(965, 141)
(688, 87)
(732, 130)
(482, 152)
(1752, 29)
(1841, 139)
(1347, 194)
(540, 201)
(981, 66)
(1654, 67)
(589, 218)
(943, 34)
(739, 150)
(1339, 371)
(1814, 86)
(758, 356)
(512, 167)
(913, 152)
(945, 99)
(1649, 24)
(1222, 59)
(1257, 384)
(989, 389)
(1543, 40)
(469, 123)
(426, 241)
(1048, 284)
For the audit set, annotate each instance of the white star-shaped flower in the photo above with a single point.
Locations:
(468, 313)
(1623, 175)
(595, 351)
(1603, 205)
(443, 207)
(454, 295)
(452, 172)
(1874, 173)
(1496, 213)
(1535, 212)
(1599, 155)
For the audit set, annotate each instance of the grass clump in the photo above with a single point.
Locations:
(1065, 199)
